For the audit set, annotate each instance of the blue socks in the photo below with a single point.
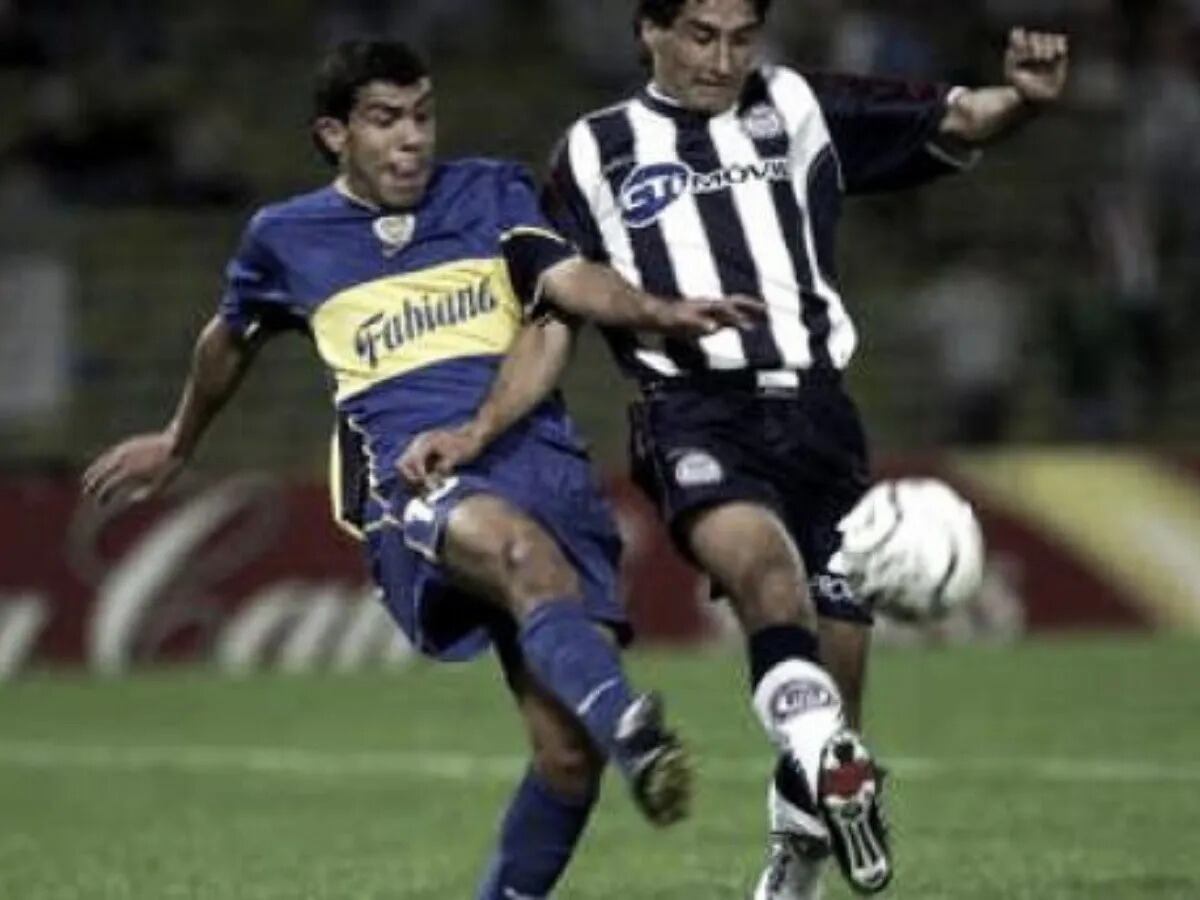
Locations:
(565, 653)
(575, 663)
(538, 836)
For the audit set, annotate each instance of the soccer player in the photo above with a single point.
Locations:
(412, 278)
(726, 175)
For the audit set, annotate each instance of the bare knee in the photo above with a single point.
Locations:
(501, 554)
(773, 591)
(533, 569)
(748, 551)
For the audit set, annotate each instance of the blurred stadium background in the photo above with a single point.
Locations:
(1029, 334)
(1049, 297)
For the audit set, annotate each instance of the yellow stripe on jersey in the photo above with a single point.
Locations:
(381, 329)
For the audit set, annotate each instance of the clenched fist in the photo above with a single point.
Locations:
(1036, 64)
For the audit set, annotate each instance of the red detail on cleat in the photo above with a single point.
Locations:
(847, 779)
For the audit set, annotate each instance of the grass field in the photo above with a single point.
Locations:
(1054, 770)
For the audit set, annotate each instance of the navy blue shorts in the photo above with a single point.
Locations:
(802, 453)
(551, 482)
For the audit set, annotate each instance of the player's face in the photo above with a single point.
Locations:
(385, 150)
(703, 59)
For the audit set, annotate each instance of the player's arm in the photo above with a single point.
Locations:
(1035, 73)
(536, 360)
(584, 289)
(591, 291)
(547, 271)
(558, 285)
(531, 370)
(143, 465)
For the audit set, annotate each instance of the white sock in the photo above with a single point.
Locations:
(800, 708)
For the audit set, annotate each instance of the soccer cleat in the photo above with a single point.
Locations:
(849, 788)
(654, 760)
(794, 866)
(799, 846)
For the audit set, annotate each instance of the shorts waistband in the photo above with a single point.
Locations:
(767, 382)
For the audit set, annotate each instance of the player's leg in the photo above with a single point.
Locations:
(845, 620)
(549, 810)
(799, 850)
(746, 549)
(504, 555)
(845, 631)
(824, 769)
(844, 649)
(815, 508)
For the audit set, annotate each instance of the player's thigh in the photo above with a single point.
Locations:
(746, 548)
(501, 552)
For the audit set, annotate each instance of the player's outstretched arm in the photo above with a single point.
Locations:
(143, 465)
(530, 371)
(598, 293)
(1035, 74)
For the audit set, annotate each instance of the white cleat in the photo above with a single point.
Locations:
(794, 868)
(849, 789)
(798, 851)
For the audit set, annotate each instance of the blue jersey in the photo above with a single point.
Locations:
(411, 312)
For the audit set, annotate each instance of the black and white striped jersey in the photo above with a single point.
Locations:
(686, 204)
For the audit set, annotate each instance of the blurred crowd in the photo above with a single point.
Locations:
(126, 104)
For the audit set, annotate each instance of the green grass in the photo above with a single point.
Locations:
(1064, 770)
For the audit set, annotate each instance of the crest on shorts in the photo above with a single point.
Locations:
(762, 122)
(697, 468)
(394, 232)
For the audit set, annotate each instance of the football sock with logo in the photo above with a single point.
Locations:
(575, 663)
(795, 699)
(537, 838)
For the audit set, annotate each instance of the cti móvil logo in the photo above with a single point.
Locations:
(650, 189)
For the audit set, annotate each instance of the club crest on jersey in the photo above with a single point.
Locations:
(697, 469)
(650, 189)
(394, 232)
(762, 122)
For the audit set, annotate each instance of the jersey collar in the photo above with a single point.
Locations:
(664, 104)
(653, 97)
(342, 187)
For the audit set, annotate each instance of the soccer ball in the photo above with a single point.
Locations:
(913, 548)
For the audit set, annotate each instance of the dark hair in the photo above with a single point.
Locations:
(663, 13)
(350, 66)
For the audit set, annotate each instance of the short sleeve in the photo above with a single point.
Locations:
(256, 294)
(885, 131)
(564, 202)
(529, 243)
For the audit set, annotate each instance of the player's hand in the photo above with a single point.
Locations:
(698, 318)
(432, 455)
(1036, 64)
(134, 470)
